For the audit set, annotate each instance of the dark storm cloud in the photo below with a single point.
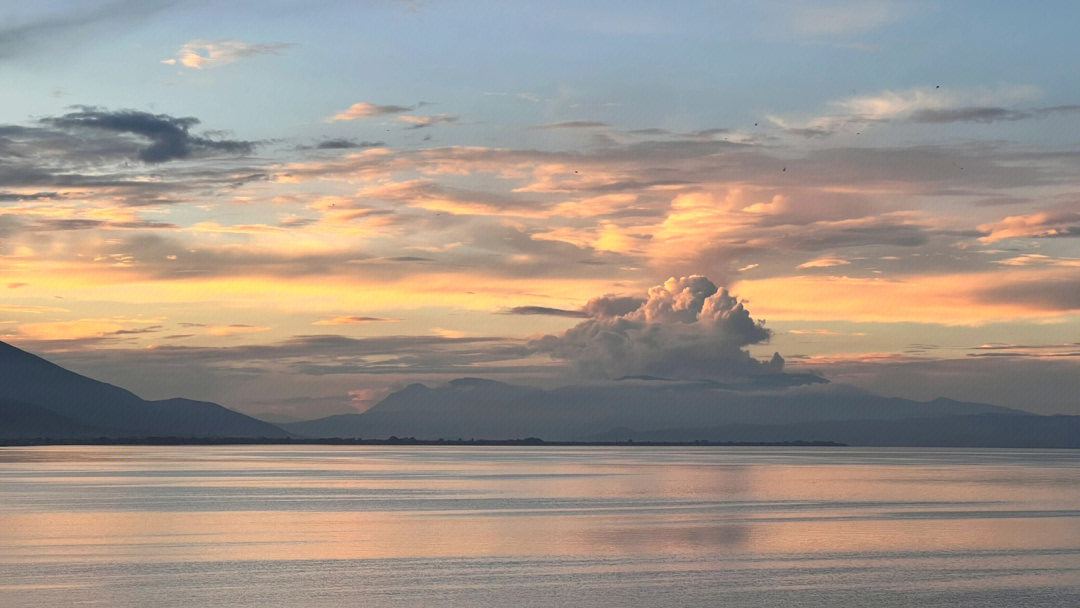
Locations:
(169, 137)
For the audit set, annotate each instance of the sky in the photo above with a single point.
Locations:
(293, 208)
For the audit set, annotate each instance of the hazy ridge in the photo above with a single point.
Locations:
(41, 400)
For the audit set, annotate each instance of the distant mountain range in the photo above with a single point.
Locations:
(40, 399)
(654, 409)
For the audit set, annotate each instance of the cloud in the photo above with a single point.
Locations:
(933, 105)
(968, 114)
(1035, 259)
(823, 332)
(1059, 222)
(430, 195)
(84, 332)
(200, 54)
(169, 136)
(893, 104)
(353, 320)
(28, 309)
(986, 114)
(6, 197)
(367, 110)
(220, 331)
(1034, 351)
(1059, 294)
(347, 144)
(609, 307)
(825, 20)
(957, 299)
(547, 311)
(70, 23)
(419, 122)
(318, 355)
(499, 215)
(573, 124)
(824, 262)
(685, 328)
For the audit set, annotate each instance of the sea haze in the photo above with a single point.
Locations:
(414, 526)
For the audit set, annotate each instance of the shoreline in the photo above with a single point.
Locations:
(393, 441)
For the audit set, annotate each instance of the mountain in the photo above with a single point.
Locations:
(655, 409)
(19, 419)
(40, 399)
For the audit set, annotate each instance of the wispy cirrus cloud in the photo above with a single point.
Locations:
(971, 298)
(935, 105)
(28, 309)
(203, 54)
(85, 331)
(23, 32)
(572, 124)
(367, 110)
(824, 262)
(420, 122)
(220, 331)
(547, 311)
(1062, 221)
(830, 19)
(353, 320)
(1035, 259)
(346, 144)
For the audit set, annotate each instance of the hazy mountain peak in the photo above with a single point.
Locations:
(86, 407)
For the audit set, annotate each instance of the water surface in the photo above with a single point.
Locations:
(512, 526)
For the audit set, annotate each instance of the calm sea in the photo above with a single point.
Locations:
(513, 526)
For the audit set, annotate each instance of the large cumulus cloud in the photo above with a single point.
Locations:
(686, 328)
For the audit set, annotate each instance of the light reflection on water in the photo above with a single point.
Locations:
(333, 526)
